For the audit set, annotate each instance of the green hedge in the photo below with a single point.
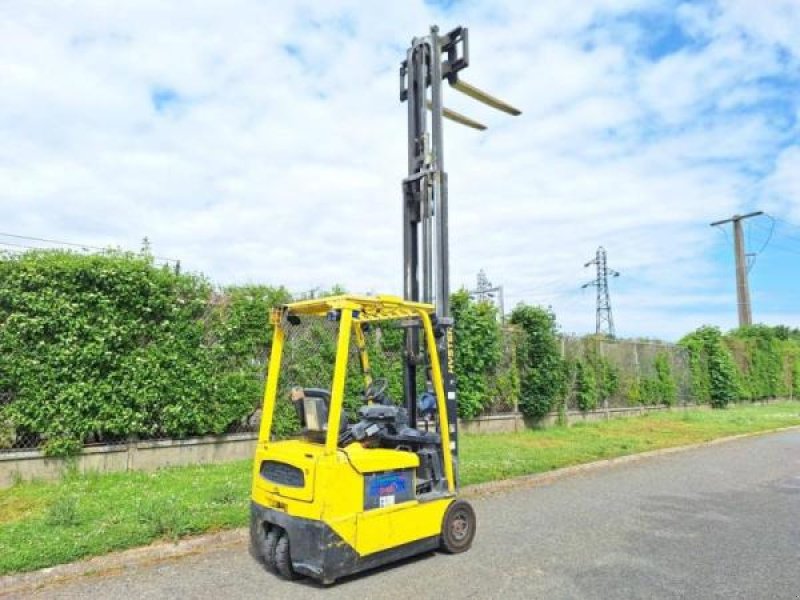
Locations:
(96, 348)
(751, 363)
(760, 355)
(478, 351)
(714, 378)
(106, 347)
(542, 371)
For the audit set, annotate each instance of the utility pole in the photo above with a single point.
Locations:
(604, 319)
(486, 292)
(742, 286)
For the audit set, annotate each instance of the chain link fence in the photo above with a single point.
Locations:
(15, 440)
(8, 433)
(630, 366)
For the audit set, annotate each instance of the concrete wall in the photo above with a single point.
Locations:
(516, 422)
(140, 456)
(493, 424)
(600, 414)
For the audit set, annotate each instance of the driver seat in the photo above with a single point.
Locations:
(325, 396)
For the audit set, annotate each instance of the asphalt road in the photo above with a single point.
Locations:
(716, 522)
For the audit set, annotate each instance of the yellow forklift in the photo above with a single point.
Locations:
(345, 497)
(349, 494)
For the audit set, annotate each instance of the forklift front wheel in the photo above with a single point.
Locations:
(458, 527)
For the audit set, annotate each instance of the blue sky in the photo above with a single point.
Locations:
(264, 142)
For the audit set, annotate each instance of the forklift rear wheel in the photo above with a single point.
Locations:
(269, 547)
(458, 527)
(283, 559)
(257, 534)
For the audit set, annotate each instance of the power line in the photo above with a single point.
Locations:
(784, 248)
(548, 287)
(754, 255)
(786, 223)
(724, 232)
(781, 232)
(12, 244)
(564, 305)
(774, 231)
(62, 243)
(539, 293)
(769, 235)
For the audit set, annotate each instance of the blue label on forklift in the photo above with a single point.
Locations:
(385, 489)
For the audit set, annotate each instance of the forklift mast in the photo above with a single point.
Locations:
(426, 262)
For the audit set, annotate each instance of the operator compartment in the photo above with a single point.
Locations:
(398, 462)
(385, 438)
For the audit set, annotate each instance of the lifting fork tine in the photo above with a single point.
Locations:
(481, 96)
(457, 117)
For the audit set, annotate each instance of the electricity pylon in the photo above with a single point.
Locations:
(605, 320)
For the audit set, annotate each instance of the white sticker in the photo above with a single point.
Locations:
(451, 395)
(386, 501)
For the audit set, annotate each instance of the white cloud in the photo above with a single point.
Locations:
(279, 152)
(782, 187)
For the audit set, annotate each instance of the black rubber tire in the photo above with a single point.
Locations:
(283, 558)
(257, 535)
(458, 527)
(269, 548)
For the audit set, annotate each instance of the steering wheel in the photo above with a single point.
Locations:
(376, 389)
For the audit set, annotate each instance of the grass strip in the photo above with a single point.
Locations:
(47, 523)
